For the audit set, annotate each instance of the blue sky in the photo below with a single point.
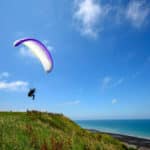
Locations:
(101, 57)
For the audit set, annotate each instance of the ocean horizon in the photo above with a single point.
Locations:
(132, 127)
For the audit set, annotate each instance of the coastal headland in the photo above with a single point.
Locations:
(131, 141)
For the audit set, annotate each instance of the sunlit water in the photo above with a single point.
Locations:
(138, 128)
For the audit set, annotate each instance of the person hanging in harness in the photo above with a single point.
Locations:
(31, 93)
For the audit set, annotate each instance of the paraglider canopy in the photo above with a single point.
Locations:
(39, 50)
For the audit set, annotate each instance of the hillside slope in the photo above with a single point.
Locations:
(34, 130)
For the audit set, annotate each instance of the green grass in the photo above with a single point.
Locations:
(34, 130)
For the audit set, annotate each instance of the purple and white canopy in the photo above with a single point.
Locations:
(39, 50)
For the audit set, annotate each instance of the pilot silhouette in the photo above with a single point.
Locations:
(31, 93)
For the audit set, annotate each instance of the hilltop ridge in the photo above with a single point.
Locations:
(34, 130)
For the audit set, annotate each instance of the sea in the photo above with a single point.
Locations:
(138, 128)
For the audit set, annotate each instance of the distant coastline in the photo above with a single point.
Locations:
(136, 142)
(117, 133)
(136, 128)
(134, 133)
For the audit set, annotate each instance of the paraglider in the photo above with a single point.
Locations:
(42, 54)
(31, 93)
(39, 50)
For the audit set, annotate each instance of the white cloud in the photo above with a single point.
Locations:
(118, 82)
(4, 75)
(114, 101)
(75, 102)
(88, 15)
(109, 82)
(24, 51)
(137, 12)
(14, 86)
(91, 16)
(49, 47)
(106, 82)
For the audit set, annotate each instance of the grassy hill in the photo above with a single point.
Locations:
(34, 130)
